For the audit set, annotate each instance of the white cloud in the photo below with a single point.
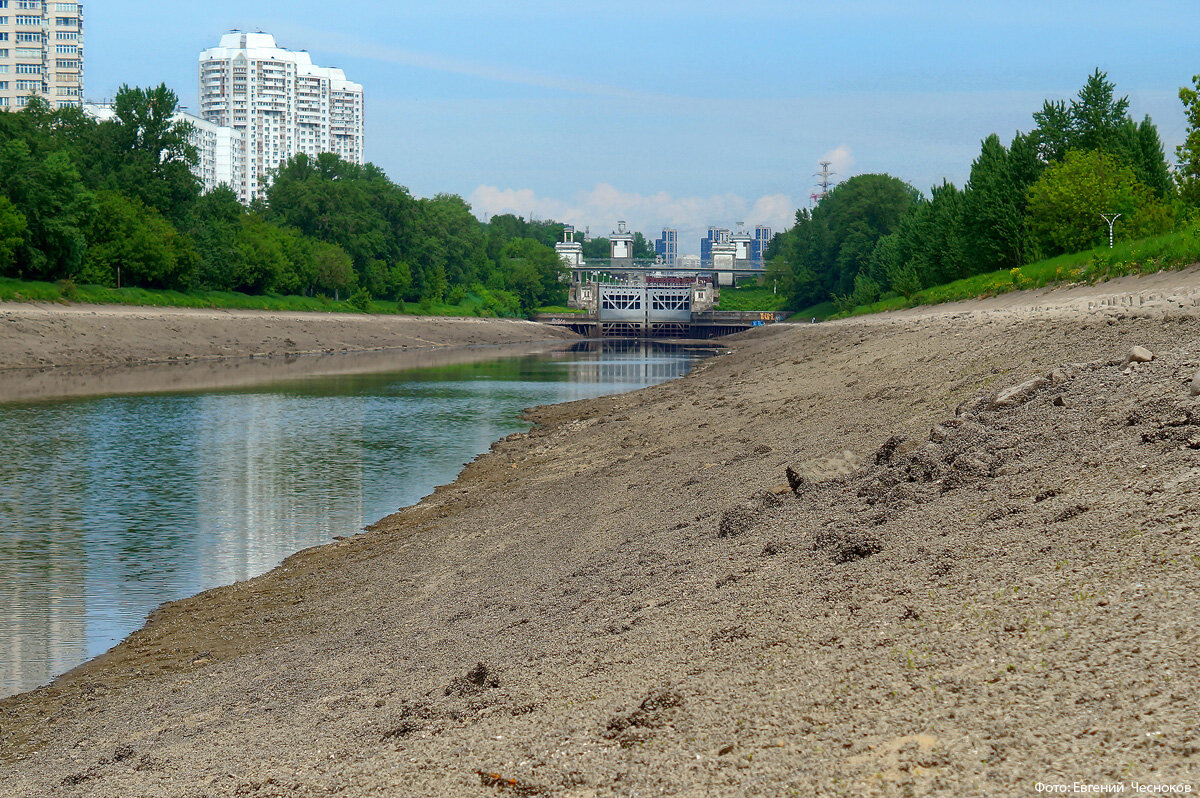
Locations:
(604, 205)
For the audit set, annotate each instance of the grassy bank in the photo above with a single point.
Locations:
(65, 292)
(1144, 256)
(750, 298)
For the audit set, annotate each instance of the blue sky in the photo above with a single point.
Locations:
(677, 113)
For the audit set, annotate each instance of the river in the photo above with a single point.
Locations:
(111, 505)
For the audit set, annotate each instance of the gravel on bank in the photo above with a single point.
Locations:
(953, 553)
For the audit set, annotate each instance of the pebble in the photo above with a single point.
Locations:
(1139, 354)
(1017, 394)
(1194, 387)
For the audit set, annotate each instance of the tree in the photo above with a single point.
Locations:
(532, 271)
(128, 239)
(1099, 120)
(927, 246)
(993, 207)
(830, 246)
(12, 233)
(146, 153)
(49, 194)
(1066, 202)
(1054, 134)
(1097, 116)
(1188, 153)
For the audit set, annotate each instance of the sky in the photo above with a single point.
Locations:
(679, 114)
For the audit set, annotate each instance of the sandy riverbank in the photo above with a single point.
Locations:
(37, 335)
(966, 594)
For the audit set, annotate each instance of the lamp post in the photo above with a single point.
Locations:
(1111, 218)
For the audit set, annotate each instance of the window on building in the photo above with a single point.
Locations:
(66, 63)
(3, 20)
(3, 85)
(66, 35)
(29, 37)
(67, 49)
(30, 52)
(3, 102)
(29, 69)
(72, 7)
(24, 19)
(66, 22)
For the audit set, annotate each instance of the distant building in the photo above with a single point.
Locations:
(715, 235)
(621, 242)
(668, 246)
(280, 103)
(219, 149)
(741, 241)
(570, 251)
(41, 53)
(762, 239)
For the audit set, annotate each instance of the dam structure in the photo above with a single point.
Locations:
(631, 298)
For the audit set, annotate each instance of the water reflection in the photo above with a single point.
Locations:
(110, 506)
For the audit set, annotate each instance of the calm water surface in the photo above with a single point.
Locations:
(110, 506)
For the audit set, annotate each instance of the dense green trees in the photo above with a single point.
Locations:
(1066, 203)
(1040, 196)
(116, 203)
(830, 249)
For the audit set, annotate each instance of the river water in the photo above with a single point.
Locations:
(111, 505)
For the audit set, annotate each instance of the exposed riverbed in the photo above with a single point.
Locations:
(111, 505)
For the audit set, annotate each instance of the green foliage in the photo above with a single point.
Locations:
(12, 233)
(1188, 153)
(129, 240)
(48, 193)
(831, 245)
(1092, 154)
(146, 154)
(752, 298)
(531, 271)
(360, 300)
(1099, 120)
(993, 206)
(1066, 202)
(1139, 256)
(865, 291)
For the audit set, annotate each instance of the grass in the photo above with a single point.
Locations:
(64, 291)
(750, 298)
(557, 309)
(1143, 256)
(819, 312)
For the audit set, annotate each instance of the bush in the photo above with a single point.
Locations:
(360, 300)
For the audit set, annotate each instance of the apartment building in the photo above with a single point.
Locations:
(279, 103)
(41, 53)
(219, 149)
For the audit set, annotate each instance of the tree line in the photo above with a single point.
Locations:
(115, 203)
(1040, 196)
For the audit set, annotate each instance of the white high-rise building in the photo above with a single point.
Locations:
(220, 150)
(280, 102)
(41, 52)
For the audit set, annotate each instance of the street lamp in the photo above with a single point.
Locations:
(1111, 218)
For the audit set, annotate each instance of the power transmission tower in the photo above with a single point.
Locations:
(824, 183)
